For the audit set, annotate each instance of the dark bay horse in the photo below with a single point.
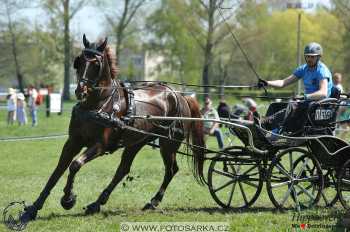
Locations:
(100, 93)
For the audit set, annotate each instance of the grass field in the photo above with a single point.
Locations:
(26, 165)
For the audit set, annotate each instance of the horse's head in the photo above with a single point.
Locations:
(92, 69)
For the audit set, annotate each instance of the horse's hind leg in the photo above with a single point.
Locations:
(127, 158)
(68, 200)
(168, 152)
(71, 148)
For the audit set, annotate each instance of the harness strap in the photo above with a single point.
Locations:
(109, 98)
(93, 51)
(131, 107)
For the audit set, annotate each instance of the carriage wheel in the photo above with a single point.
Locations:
(329, 195)
(343, 185)
(294, 185)
(234, 185)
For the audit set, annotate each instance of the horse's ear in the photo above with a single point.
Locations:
(102, 47)
(86, 42)
(76, 62)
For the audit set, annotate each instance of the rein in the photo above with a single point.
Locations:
(115, 106)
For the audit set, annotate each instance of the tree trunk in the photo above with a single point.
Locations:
(118, 46)
(14, 53)
(208, 48)
(66, 89)
(120, 29)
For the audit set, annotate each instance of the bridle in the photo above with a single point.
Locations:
(97, 55)
(89, 56)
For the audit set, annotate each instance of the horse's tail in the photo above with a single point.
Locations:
(197, 139)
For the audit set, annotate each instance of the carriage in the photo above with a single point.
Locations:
(299, 171)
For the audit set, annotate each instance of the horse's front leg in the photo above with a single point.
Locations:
(127, 158)
(168, 151)
(68, 200)
(71, 148)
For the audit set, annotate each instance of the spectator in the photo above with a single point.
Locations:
(246, 111)
(239, 112)
(223, 109)
(343, 112)
(33, 94)
(337, 78)
(212, 128)
(11, 106)
(21, 109)
(251, 105)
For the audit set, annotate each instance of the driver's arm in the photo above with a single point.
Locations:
(282, 83)
(321, 93)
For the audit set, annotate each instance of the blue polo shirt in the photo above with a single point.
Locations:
(312, 77)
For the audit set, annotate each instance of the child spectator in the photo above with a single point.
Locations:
(11, 106)
(21, 109)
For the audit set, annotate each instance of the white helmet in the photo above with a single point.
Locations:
(250, 103)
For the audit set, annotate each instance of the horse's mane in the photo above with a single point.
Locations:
(112, 62)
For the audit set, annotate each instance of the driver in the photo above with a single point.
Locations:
(317, 85)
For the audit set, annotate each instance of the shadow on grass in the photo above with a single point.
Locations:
(166, 211)
(212, 210)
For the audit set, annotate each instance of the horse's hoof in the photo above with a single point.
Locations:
(92, 208)
(149, 206)
(29, 214)
(68, 202)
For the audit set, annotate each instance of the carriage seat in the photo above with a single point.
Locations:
(320, 116)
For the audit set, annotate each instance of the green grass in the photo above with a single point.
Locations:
(25, 167)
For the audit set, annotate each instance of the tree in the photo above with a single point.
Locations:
(63, 11)
(121, 19)
(171, 39)
(341, 9)
(201, 20)
(269, 38)
(9, 9)
(212, 22)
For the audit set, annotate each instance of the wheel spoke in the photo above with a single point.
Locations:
(307, 179)
(291, 166)
(303, 167)
(225, 185)
(325, 198)
(243, 193)
(286, 195)
(307, 188)
(283, 170)
(249, 170)
(306, 192)
(295, 194)
(231, 194)
(251, 184)
(281, 184)
(224, 173)
(236, 169)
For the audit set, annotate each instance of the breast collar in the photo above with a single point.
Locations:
(110, 119)
(116, 107)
